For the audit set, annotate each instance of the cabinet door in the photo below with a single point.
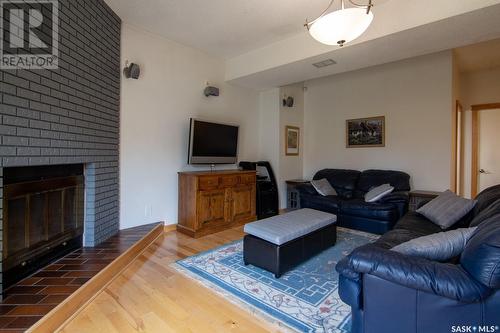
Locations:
(243, 202)
(211, 208)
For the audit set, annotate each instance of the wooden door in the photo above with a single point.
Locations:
(483, 143)
(489, 155)
(242, 202)
(211, 211)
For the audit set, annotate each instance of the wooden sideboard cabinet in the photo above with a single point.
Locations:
(210, 202)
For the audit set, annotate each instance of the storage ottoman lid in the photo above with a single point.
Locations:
(286, 227)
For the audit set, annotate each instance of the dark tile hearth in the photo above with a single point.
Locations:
(31, 298)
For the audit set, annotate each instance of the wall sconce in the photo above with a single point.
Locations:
(131, 71)
(211, 91)
(288, 101)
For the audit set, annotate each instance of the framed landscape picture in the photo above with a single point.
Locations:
(292, 141)
(365, 132)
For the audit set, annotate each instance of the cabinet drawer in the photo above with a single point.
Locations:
(248, 179)
(228, 181)
(208, 183)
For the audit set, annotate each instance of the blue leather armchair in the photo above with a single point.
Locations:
(349, 205)
(390, 292)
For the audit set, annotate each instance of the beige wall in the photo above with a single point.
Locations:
(456, 155)
(269, 134)
(479, 87)
(414, 95)
(274, 118)
(291, 167)
(155, 112)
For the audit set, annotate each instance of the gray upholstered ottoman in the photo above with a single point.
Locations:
(281, 242)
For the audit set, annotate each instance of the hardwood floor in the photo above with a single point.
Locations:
(151, 296)
(27, 301)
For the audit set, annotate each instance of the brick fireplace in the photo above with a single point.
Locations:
(70, 115)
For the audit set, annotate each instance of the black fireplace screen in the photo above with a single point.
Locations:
(39, 218)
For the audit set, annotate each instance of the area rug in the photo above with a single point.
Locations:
(305, 299)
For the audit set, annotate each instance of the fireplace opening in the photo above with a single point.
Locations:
(43, 213)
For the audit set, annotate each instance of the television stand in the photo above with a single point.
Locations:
(213, 201)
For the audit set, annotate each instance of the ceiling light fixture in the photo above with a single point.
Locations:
(343, 25)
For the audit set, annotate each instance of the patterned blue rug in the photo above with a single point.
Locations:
(304, 299)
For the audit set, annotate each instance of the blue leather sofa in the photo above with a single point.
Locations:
(349, 205)
(393, 293)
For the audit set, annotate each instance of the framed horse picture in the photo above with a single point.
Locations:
(365, 132)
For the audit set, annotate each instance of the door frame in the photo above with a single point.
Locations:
(475, 143)
(458, 145)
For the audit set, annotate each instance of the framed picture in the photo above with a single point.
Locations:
(365, 132)
(292, 141)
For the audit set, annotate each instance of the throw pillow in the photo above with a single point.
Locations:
(323, 187)
(441, 246)
(447, 209)
(378, 192)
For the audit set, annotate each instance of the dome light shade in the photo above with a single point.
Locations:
(341, 26)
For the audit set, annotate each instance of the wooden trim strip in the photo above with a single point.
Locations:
(474, 155)
(169, 227)
(489, 106)
(56, 318)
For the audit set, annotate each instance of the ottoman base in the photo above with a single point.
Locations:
(278, 259)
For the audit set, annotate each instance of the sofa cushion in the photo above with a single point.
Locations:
(343, 181)
(370, 178)
(446, 209)
(377, 193)
(411, 226)
(486, 198)
(372, 210)
(440, 246)
(323, 187)
(486, 213)
(481, 257)
(330, 204)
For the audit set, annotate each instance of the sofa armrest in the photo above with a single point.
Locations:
(399, 199)
(306, 188)
(446, 280)
(396, 197)
(421, 203)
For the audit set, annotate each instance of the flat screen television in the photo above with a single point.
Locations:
(212, 143)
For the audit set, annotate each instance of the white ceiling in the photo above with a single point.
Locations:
(465, 29)
(225, 28)
(479, 56)
(265, 44)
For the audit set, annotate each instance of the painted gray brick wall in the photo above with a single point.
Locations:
(71, 115)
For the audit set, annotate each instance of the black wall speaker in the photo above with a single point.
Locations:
(288, 101)
(211, 91)
(132, 71)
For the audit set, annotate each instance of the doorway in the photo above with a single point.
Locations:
(485, 170)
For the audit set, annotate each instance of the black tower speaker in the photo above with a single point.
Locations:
(267, 188)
